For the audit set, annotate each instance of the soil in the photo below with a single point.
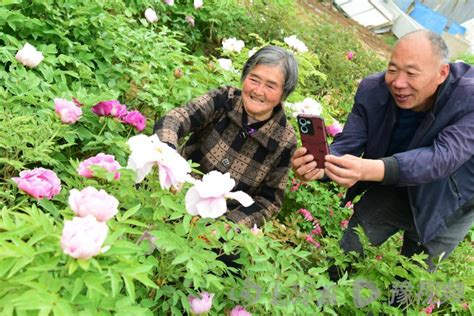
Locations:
(368, 38)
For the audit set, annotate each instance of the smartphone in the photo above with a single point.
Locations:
(313, 136)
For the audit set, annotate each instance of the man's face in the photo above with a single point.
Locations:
(414, 73)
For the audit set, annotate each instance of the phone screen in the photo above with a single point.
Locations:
(313, 136)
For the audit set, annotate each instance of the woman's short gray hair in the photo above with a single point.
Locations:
(274, 55)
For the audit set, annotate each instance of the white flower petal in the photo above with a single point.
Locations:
(242, 197)
(212, 207)
(191, 199)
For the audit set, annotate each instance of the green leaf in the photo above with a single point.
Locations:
(9, 2)
(145, 281)
(50, 207)
(129, 213)
(181, 258)
(72, 267)
(83, 263)
(78, 286)
(114, 283)
(19, 264)
(62, 307)
(129, 286)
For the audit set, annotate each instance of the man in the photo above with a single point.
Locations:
(408, 144)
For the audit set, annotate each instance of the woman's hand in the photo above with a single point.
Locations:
(305, 167)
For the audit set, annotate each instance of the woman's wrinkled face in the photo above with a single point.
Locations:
(262, 90)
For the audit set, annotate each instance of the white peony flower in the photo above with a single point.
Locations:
(150, 15)
(29, 56)
(225, 64)
(207, 197)
(252, 51)
(232, 45)
(149, 151)
(296, 44)
(308, 106)
(198, 4)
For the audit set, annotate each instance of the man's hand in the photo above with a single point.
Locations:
(347, 170)
(305, 167)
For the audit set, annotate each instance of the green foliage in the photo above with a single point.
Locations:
(467, 58)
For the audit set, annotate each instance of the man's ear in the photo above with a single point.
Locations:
(443, 72)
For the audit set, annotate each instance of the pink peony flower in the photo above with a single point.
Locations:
(344, 223)
(102, 160)
(317, 230)
(83, 237)
(349, 205)
(201, 305)
(150, 151)
(310, 239)
(350, 55)
(67, 111)
(465, 306)
(198, 4)
(307, 214)
(90, 201)
(428, 310)
(207, 197)
(150, 15)
(109, 108)
(295, 185)
(334, 129)
(136, 119)
(190, 20)
(39, 183)
(29, 56)
(239, 311)
(169, 2)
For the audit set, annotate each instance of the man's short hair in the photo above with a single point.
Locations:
(437, 43)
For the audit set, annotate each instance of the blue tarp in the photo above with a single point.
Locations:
(430, 19)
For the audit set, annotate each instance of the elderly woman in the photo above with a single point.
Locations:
(244, 132)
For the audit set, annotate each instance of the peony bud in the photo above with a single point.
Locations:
(178, 73)
(29, 56)
(201, 305)
(190, 20)
(198, 4)
(150, 15)
(82, 238)
(350, 55)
